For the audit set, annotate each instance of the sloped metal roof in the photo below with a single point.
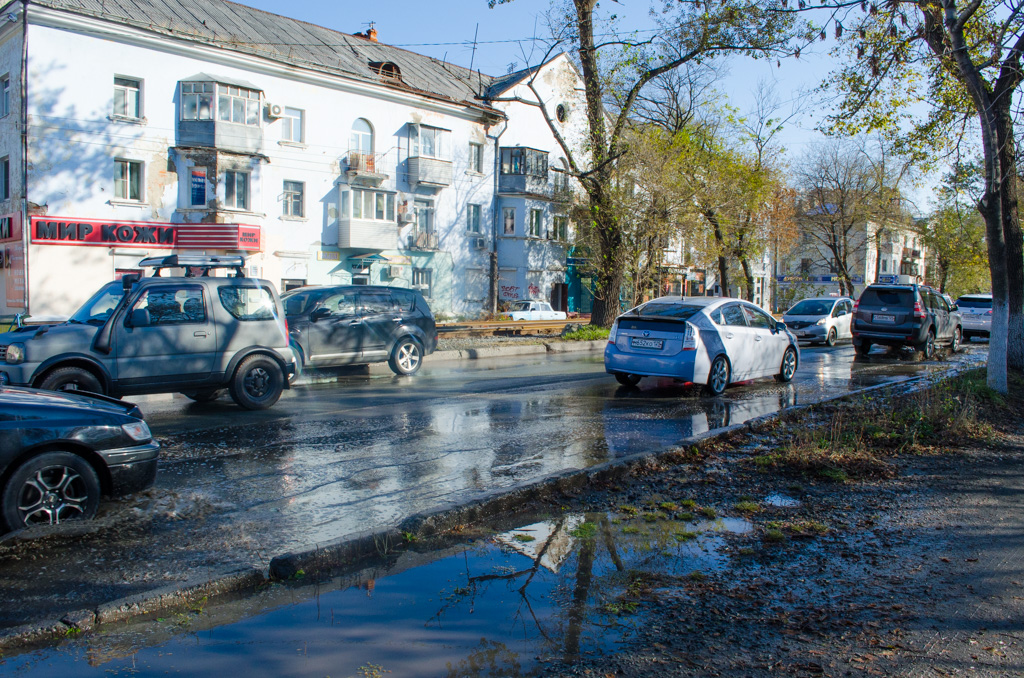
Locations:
(252, 31)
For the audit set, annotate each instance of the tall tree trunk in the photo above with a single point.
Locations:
(749, 275)
(608, 271)
(723, 261)
(1009, 186)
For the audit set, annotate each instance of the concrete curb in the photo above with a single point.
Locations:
(163, 598)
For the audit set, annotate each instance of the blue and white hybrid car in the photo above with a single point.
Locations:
(714, 341)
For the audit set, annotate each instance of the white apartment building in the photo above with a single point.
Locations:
(161, 126)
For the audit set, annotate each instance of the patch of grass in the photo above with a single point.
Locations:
(668, 505)
(586, 333)
(584, 531)
(688, 503)
(697, 575)
(774, 535)
(685, 516)
(409, 537)
(631, 529)
(747, 551)
(654, 517)
(685, 535)
(708, 512)
(765, 460)
(372, 671)
(629, 510)
(524, 538)
(747, 506)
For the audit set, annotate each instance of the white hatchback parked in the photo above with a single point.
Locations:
(820, 319)
(713, 341)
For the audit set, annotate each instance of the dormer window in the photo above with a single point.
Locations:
(387, 70)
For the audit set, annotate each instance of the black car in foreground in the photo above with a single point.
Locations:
(359, 324)
(61, 451)
(914, 316)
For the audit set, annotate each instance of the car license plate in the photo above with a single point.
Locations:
(637, 342)
(884, 318)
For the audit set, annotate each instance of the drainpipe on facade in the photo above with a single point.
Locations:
(26, 222)
(493, 290)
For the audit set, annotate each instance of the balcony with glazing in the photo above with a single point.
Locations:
(524, 171)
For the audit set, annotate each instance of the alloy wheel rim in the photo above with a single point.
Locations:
(52, 495)
(789, 365)
(257, 382)
(408, 357)
(718, 377)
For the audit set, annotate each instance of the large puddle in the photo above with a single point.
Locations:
(546, 592)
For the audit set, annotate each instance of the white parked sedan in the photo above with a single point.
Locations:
(821, 319)
(976, 311)
(534, 310)
(713, 341)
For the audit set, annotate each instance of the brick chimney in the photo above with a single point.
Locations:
(371, 34)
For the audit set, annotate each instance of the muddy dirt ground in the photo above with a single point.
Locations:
(918, 575)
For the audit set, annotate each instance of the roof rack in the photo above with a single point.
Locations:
(196, 265)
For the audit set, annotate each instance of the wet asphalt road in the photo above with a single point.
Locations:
(335, 459)
(332, 460)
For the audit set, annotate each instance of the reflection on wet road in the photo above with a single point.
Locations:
(337, 459)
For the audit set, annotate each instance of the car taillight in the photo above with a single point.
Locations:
(612, 332)
(988, 312)
(691, 338)
(855, 305)
(918, 310)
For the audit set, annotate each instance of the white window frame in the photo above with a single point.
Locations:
(128, 87)
(476, 157)
(438, 142)
(474, 214)
(5, 95)
(508, 218)
(560, 228)
(535, 225)
(293, 199)
(424, 277)
(238, 105)
(293, 119)
(193, 95)
(123, 179)
(231, 179)
(362, 199)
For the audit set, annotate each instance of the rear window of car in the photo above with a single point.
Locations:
(679, 310)
(404, 301)
(974, 302)
(886, 297)
(248, 302)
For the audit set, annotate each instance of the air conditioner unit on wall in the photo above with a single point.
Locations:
(274, 111)
(394, 271)
(479, 243)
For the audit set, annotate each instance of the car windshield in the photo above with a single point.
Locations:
(675, 309)
(974, 302)
(811, 307)
(100, 305)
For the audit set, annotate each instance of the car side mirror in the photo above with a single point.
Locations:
(954, 307)
(140, 318)
(128, 280)
(320, 314)
(780, 326)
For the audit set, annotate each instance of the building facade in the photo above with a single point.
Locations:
(160, 126)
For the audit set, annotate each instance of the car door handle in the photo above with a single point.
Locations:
(199, 333)
(397, 320)
(757, 338)
(728, 335)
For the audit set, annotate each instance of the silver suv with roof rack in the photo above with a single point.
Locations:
(191, 333)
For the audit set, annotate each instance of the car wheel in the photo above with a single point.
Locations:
(718, 376)
(627, 379)
(863, 348)
(299, 360)
(72, 379)
(258, 383)
(830, 340)
(204, 396)
(927, 347)
(51, 488)
(788, 367)
(406, 356)
(954, 343)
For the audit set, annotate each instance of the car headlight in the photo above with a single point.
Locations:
(15, 354)
(137, 430)
(820, 322)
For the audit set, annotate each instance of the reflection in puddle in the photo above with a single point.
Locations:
(781, 501)
(541, 594)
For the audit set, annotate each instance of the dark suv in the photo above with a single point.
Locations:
(359, 324)
(905, 315)
(195, 334)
